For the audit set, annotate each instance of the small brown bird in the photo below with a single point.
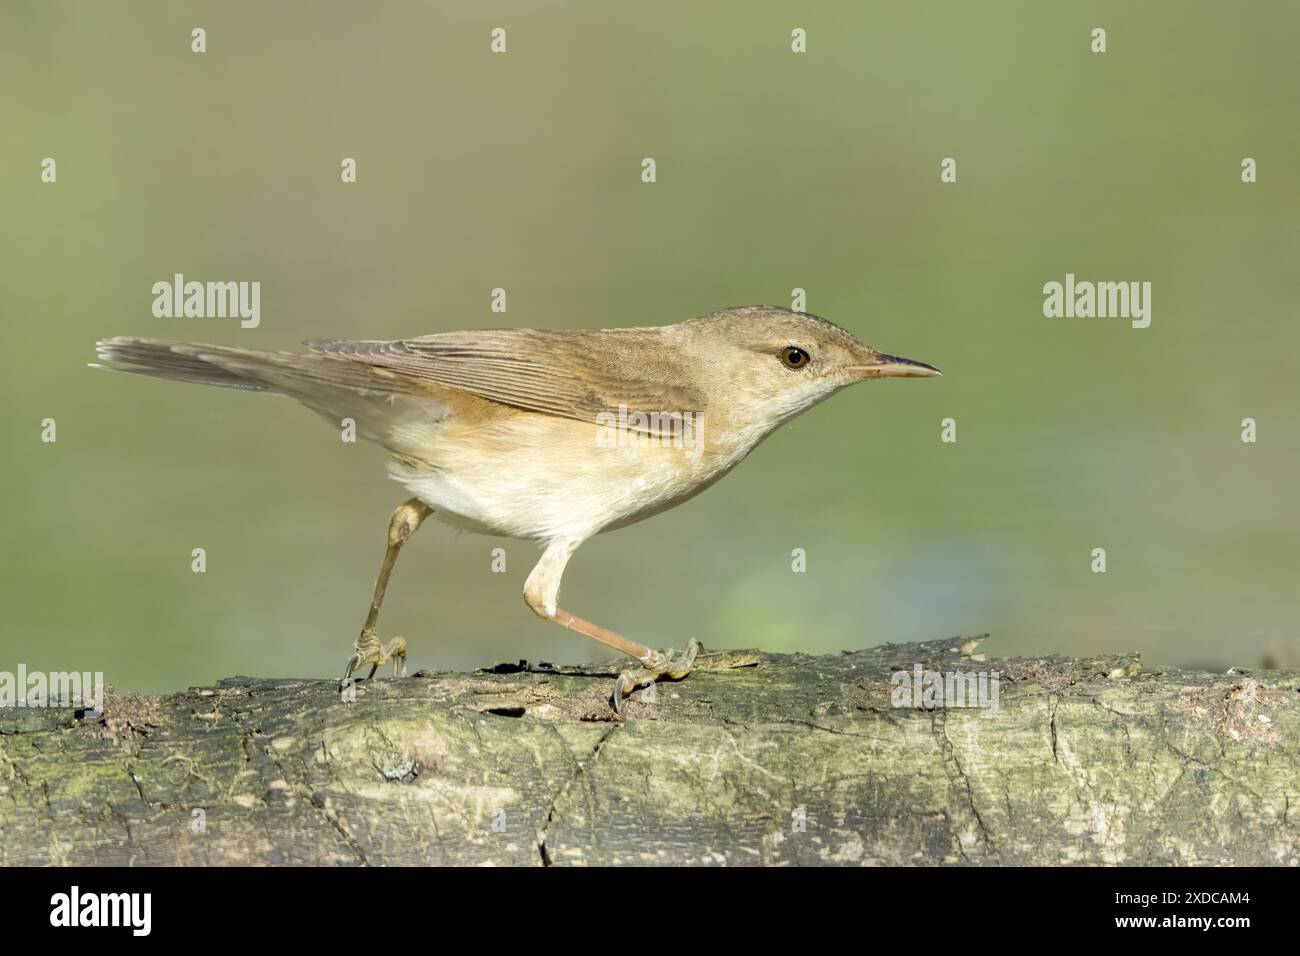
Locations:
(549, 436)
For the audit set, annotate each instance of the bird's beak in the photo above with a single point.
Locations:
(891, 366)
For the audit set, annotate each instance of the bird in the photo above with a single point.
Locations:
(552, 436)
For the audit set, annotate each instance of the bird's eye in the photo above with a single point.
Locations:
(792, 357)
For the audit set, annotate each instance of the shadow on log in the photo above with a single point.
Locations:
(754, 759)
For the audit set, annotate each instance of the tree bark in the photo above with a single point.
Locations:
(753, 759)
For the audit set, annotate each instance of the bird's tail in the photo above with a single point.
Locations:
(181, 361)
(386, 406)
(301, 375)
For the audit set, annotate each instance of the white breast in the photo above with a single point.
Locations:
(545, 478)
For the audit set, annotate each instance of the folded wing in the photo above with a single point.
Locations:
(575, 375)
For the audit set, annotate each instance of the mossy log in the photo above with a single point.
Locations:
(753, 759)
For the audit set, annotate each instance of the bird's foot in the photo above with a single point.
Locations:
(369, 650)
(659, 665)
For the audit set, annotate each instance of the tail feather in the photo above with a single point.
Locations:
(387, 406)
(163, 360)
(291, 373)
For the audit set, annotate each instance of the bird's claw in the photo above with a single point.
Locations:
(369, 650)
(660, 665)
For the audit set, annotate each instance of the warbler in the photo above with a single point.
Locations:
(552, 436)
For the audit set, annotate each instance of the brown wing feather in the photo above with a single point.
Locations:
(574, 375)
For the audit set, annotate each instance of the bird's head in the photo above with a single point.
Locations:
(779, 363)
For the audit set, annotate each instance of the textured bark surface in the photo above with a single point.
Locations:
(1087, 761)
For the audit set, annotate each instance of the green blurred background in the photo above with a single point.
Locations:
(775, 171)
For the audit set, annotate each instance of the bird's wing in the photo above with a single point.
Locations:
(576, 375)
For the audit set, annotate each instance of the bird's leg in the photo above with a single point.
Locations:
(664, 667)
(541, 592)
(407, 517)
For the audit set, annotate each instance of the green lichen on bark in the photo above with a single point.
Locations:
(793, 759)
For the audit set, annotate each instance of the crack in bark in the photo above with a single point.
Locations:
(305, 792)
(948, 755)
(248, 737)
(814, 726)
(139, 787)
(579, 770)
(1052, 702)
